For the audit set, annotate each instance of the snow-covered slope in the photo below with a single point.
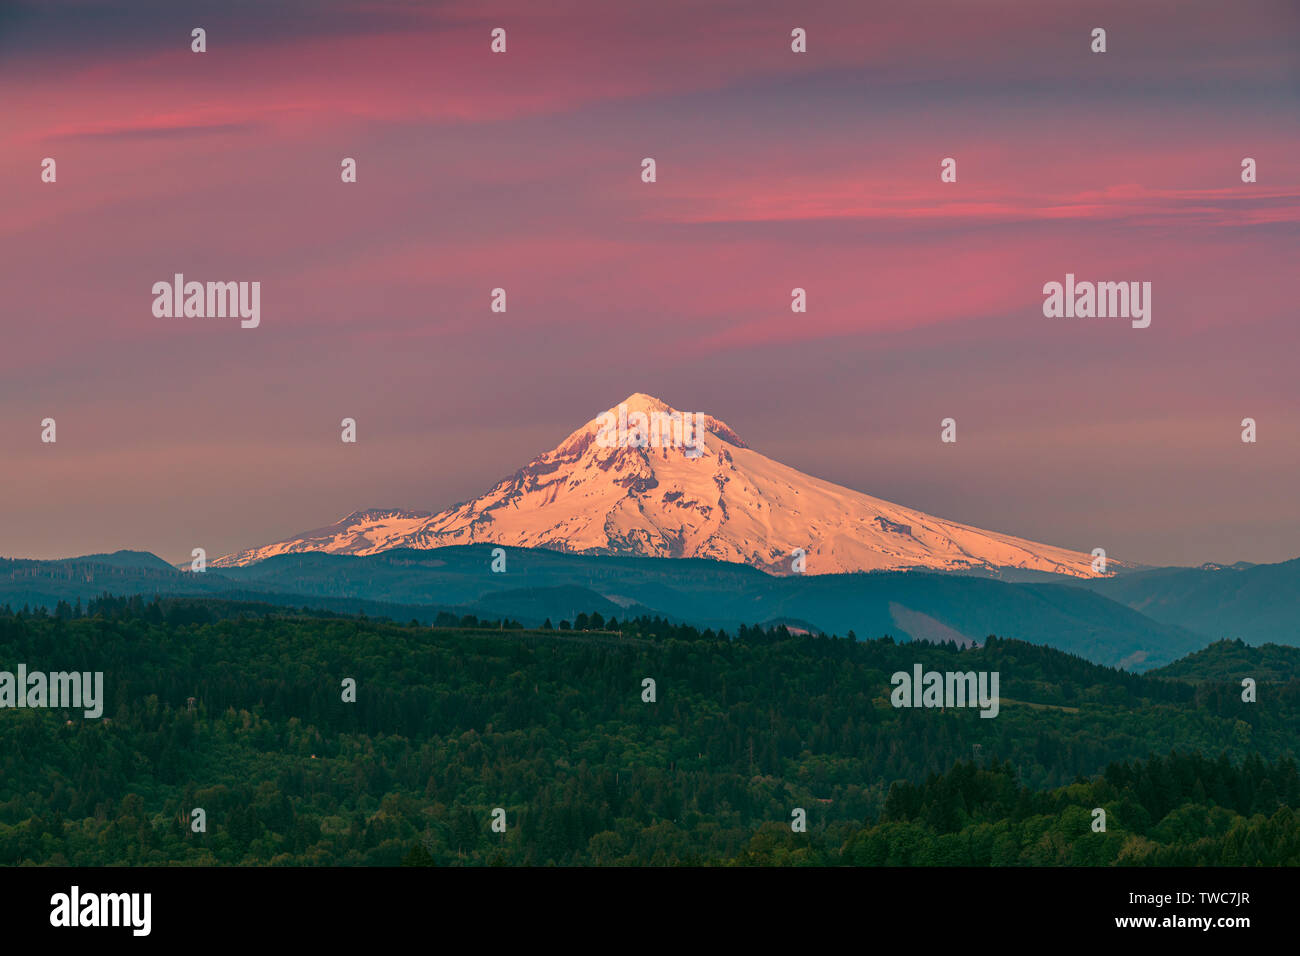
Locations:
(597, 494)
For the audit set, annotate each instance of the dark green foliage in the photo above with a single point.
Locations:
(1158, 813)
(453, 721)
(1230, 661)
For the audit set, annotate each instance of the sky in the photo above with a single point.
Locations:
(775, 170)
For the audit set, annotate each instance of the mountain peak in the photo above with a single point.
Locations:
(648, 405)
(641, 402)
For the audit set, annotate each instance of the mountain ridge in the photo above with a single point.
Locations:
(1117, 629)
(644, 478)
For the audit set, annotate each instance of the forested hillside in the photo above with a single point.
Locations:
(452, 722)
(1233, 660)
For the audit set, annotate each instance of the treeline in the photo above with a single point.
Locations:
(239, 710)
(1179, 810)
(199, 610)
(1228, 660)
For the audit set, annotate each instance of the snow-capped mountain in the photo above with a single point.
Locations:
(632, 481)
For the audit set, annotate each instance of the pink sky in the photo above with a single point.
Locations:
(776, 170)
